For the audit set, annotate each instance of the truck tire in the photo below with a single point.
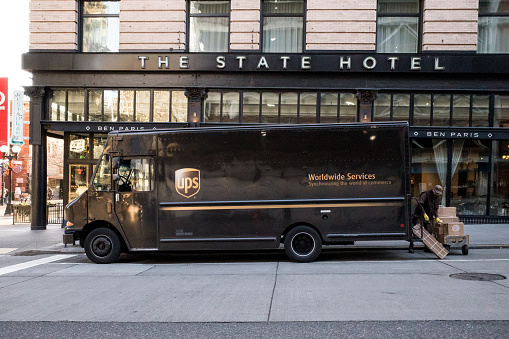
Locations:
(303, 244)
(102, 246)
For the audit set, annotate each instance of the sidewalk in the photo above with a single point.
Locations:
(20, 238)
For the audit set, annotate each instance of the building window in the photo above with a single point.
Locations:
(100, 26)
(440, 109)
(283, 26)
(280, 107)
(391, 107)
(493, 34)
(209, 23)
(469, 176)
(76, 105)
(79, 146)
(78, 180)
(114, 105)
(501, 111)
(465, 165)
(499, 205)
(398, 26)
(57, 106)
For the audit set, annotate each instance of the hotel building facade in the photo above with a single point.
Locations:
(442, 66)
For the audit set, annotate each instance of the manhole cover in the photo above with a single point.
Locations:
(478, 276)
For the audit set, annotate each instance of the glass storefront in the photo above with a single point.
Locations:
(469, 184)
(78, 180)
(79, 146)
(427, 165)
(466, 167)
(83, 152)
(499, 205)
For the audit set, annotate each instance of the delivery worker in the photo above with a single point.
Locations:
(428, 207)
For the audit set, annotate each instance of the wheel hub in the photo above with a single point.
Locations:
(101, 246)
(303, 244)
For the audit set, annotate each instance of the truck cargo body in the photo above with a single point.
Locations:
(232, 188)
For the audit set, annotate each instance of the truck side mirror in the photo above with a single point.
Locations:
(115, 162)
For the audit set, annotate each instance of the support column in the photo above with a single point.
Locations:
(195, 97)
(39, 157)
(366, 98)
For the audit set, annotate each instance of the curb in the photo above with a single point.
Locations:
(76, 249)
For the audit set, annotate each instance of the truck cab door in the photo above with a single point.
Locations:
(136, 203)
(100, 193)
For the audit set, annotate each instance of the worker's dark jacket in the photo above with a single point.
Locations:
(428, 203)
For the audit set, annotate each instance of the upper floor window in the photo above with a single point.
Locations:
(209, 23)
(398, 26)
(436, 109)
(283, 26)
(100, 26)
(493, 34)
(157, 105)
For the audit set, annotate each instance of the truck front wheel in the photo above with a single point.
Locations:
(102, 246)
(303, 244)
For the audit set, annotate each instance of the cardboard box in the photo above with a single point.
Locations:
(455, 228)
(446, 212)
(448, 220)
(430, 241)
(440, 229)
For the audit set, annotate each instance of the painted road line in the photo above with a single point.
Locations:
(7, 250)
(33, 263)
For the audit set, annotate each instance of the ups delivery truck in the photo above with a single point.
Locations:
(233, 188)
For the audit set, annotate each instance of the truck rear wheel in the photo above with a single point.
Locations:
(102, 246)
(303, 244)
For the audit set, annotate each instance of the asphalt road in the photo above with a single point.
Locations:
(265, 330)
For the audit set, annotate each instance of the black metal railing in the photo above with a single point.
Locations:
(23, 214)
(55, 213)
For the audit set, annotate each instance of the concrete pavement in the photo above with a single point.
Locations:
(379, 285)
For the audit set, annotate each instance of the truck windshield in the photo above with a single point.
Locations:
(102, 179)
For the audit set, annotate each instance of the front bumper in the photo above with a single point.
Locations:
(68, 238)
(70, 233)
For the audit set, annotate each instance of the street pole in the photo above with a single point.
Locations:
(15, 150)
(3, 186)
(8, 208)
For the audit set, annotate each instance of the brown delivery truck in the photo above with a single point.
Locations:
(245, 187)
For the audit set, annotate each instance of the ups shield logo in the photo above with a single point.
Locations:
(187, 182)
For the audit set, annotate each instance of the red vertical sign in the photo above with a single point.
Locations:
(4, 111)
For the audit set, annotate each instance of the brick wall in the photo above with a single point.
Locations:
(245, 25)
(53, 24)
(152, 25)
(450, 25)
(331, 25)
(341, 25)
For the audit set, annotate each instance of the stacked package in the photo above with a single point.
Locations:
(450, 225)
